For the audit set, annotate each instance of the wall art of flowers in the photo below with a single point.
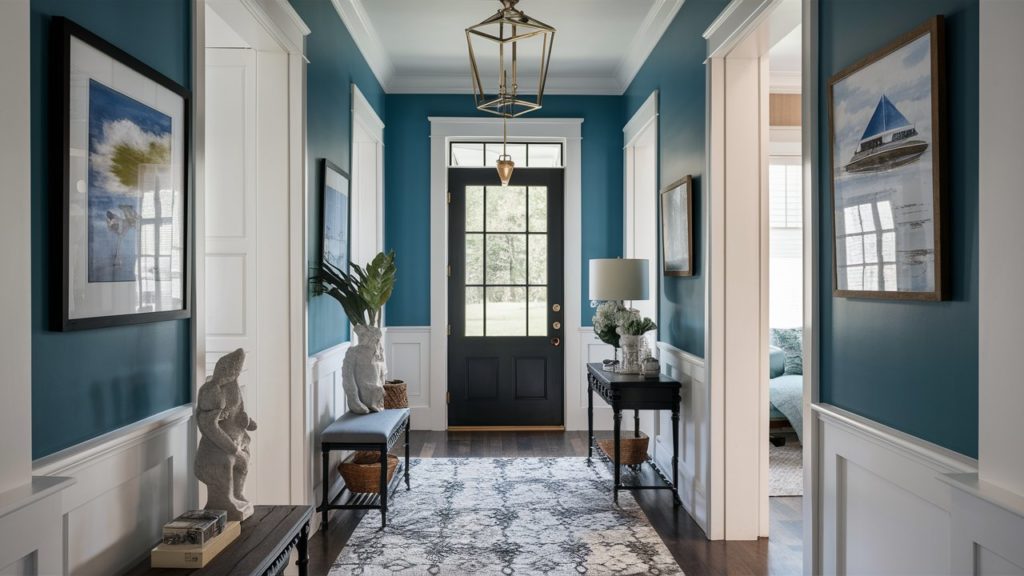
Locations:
(129, 156)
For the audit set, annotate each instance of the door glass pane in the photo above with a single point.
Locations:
(516, 151)
(538, 209)
(467, 154)
(538, 259)
(506, 209)
(506, 311)
(474, 311)
(474, 258)
(545, 156)
(506, 259)
(538, 311)
(474, 208)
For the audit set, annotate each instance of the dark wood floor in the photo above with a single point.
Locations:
(781, 555)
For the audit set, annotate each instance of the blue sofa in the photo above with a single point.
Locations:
(785, 393)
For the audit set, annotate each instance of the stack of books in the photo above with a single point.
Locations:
(193, 539)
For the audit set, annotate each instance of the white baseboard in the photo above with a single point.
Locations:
(127, 484)
(694, 445)
(885, 507)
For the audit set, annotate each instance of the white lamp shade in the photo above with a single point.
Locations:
(618, 279)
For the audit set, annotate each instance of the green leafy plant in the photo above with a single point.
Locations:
(363, 292)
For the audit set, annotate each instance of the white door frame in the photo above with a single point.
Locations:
(736, 23)
(279, 20)
(444, 130)
(364, 116)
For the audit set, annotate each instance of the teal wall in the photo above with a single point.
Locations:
(676, 69)
(335, 63)
(407, 188)
(912, 366)
(90, 382)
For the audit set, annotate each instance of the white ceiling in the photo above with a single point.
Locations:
(419, 46)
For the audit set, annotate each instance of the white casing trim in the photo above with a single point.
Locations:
(733, 23)
(327, 402)
(642, 118)
(442, 131)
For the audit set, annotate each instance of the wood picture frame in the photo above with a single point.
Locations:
(335, 216)
(677, 228)
(122, 156)
(887, 123)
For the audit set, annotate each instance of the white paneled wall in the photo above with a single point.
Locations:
(693, 431)
(407, 351)
(592, 349)
(128, 483)
(886, 507)
(328, 402)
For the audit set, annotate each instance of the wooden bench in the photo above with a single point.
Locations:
(377, 431)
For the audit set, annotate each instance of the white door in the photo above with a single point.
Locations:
(367, 180)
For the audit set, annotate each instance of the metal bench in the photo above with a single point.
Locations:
(377, 431)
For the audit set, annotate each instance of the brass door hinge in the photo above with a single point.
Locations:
(449, 197)
(449, 397)
(449, 329)
(449, 270)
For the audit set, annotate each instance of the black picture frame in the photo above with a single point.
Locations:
(331, 172)
(63, 32)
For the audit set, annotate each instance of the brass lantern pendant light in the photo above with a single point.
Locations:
(514, 34)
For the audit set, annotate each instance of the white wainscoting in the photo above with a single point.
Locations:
(328, 402)
(407, 352)
(31, 535)
(886, 508)
(694, 432)
(988, 528)
(591, 350)
(128, 484)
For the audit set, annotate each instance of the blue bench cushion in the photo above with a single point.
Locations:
(372, 428)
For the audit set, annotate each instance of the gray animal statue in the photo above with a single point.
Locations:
(222, 461)
(363, 373)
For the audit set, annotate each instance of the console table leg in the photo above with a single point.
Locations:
(590, 419)
(408, 424)
(326, 489)
(675, 455)
(302, 551)
(636, 423)
(617, 416)
(383, 486)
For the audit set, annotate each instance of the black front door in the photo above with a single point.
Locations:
(505, 288)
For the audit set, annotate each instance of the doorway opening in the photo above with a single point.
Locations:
(505, 288)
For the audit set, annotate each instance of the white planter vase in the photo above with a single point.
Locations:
(363, 373)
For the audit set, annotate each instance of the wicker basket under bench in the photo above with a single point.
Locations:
(376, 432)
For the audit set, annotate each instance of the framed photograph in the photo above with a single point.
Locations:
(677, 228)
(334, 194)
(122, 152)
(886, 122)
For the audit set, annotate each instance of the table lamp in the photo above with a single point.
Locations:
(618, 279)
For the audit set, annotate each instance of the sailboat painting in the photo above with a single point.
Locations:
(884, 130)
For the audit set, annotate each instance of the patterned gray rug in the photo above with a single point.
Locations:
(495, 516)
(786, 469)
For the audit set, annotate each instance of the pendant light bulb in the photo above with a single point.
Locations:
(505, 167)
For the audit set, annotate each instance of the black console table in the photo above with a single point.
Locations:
(634, 392)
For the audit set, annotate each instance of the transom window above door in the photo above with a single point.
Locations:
(524, 154)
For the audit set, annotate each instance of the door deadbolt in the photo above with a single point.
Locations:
(556, 325)
(556, 308)
(556, 342)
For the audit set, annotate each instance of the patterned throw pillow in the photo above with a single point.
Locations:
(791, 341)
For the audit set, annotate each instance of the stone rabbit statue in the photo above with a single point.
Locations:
(222, 460)
(363, 373)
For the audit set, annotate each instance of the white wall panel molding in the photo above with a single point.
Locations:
(591, 349)
(31, 535)
(694, 432)
(323, 372)
(988, 528)
(407, 352)
(134, 479)
(886, 506)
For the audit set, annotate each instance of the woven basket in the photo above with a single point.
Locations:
(361, 471)
(396, 394)
(632, 451)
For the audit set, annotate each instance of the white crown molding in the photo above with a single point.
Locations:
(354, 16)
(657, 21)
(419, 83)
(647, 36)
